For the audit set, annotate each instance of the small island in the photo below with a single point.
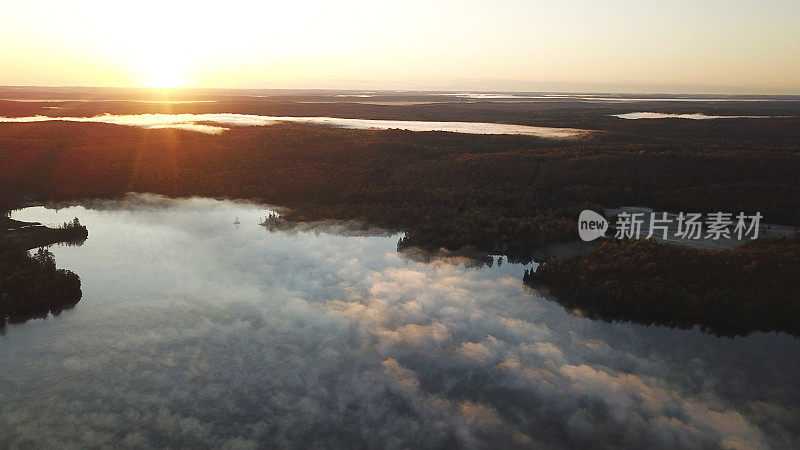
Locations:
(729, 292)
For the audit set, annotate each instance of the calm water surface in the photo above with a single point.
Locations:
(200, 123)
(692, 116)
(195, 332)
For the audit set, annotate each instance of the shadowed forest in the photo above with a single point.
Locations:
(31, 285)
(502, 194)
(729, 292)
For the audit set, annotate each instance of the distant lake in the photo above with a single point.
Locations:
(693, 116)
(203, 123)
(196, 332)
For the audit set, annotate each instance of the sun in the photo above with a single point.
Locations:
(161, 71)
(165, 77)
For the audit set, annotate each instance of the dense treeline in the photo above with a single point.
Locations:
(33, 235)
(754, 287)
(32, 286)
(505, 194)
(563, 112)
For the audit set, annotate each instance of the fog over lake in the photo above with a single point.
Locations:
(201, 123)
(693, 116)
(196, 332)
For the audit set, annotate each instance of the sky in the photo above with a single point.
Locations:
(681, 46)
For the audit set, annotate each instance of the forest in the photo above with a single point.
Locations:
(32, 286)
(32, 235)
(729, 292)
(497, 194)
(484, 194)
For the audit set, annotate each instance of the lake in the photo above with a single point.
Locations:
(693, 116)
(196, 332)
(199, 123)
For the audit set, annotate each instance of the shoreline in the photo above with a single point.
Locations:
(30, 235)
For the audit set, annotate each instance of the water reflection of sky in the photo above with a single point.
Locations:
(692, 116)
(195, 332)
(200, 123)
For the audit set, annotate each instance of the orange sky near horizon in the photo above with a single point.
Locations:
(685, 46)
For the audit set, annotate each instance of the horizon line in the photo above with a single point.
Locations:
(424, 90)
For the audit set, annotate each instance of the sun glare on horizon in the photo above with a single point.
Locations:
(162, 71)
